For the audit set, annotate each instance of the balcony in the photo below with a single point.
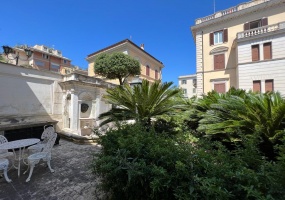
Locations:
(230, 11)
(261, 30)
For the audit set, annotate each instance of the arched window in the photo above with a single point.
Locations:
(156, 74)
(147, 70)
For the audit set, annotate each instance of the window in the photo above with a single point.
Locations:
(255, 52)
(219, 37)
(256, 86)
(194, 82)
(219, 61)
(184, 91)
(45, 48)
(39, 63)
(54, 67)
(267, 51)
(256, 24)
(184, 82)
(220, 87)
(156, 74)
(194, 90)
(45, 56)
(147, 70)
(67, 71)
(269, 86)
(64, 61)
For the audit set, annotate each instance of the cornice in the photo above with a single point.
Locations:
(258, 7)
(126, 42)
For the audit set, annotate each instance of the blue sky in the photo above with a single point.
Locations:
(79, 28)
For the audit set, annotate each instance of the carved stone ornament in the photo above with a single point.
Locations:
(84, 107)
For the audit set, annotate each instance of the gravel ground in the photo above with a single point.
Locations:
(72, 179)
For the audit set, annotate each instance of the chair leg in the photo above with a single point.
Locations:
(48, 163)
(32, 165)
(6, 176)
(27, 169)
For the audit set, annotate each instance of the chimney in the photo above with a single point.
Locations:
(142, 46)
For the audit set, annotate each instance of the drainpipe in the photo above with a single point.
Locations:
(203, 63)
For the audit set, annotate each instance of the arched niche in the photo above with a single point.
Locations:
(86, 104)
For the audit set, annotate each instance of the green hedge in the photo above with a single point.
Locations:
(140, 165)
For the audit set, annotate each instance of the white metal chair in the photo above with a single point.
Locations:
(45, 136)
(4, 163)
(44, 155)
(3, 152)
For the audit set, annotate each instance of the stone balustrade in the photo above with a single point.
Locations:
(261, 30)
(230, 11)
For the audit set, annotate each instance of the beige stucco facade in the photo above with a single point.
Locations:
(138, 53)
(232, 19)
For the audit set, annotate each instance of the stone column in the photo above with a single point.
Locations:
(79, 116)
(74, 115)
(199, 63)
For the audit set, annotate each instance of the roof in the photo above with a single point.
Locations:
(187, 76)
(119, 43)
(35, 48)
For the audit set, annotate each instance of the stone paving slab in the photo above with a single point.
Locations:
(72, 179)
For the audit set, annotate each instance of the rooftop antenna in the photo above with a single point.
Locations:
(214, 6)
(130, 37)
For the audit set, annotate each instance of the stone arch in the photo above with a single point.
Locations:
(85, 96)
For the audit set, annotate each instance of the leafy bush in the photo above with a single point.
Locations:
(139, 164)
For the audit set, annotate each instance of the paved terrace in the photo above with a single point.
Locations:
(72, 178)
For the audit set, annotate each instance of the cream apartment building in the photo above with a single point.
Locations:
(242, 47)
(188, 84)
(151, 68)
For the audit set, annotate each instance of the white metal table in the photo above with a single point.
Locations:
(21, 145)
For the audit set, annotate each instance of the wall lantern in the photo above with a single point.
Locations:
(136, 81)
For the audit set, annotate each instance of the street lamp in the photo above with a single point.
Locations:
(136, 81)
(8, 50)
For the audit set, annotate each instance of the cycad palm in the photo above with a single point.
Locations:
(140, 102)
(262, 113)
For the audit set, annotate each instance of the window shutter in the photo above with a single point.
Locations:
(225, 35)
(246, 26)
(256, 86)
(255, 52)
(211, 39)
(264, 21)
(267, 51)
(268, 85)
(156, 74)
(219, 61)
(147, 70)
(220, 87)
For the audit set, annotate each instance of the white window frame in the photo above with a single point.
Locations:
(218, 37)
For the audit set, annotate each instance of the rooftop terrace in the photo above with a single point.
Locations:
(231, 10)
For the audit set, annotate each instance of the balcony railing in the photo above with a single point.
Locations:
(261, 30)
(230, 11)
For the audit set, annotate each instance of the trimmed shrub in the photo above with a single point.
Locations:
(139, 164)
